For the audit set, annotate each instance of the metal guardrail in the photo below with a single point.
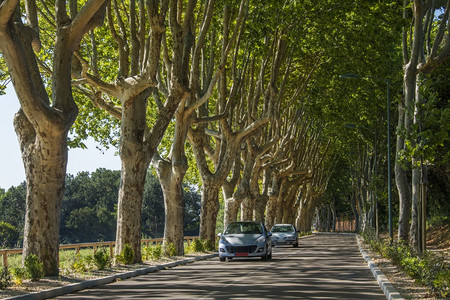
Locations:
(5, 252)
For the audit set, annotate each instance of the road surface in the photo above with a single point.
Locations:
(323, 267)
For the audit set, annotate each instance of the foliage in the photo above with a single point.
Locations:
(88, 212)
(302, 233)
(208, 245)
(34, 267)
(19, 274)
(170, 250)
(426, 268)
(9, 235)
(152, 252)
(88, 207)
(81, 264)
(195, 246)
(5, 278)
(12, 211)
(102, 259)
(126, 257)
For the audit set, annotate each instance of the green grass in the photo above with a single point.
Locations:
(71, 262)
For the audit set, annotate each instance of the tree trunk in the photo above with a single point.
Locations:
(174, 211)
(263, 198)
(130, 205)
(45, 159)
(302, 221)
(135, 162)
(355, 212)
(271, 209)
(231, 211)
(171, 174)
(208, 214)
(401, 180)
(260, 206)
(247, 206)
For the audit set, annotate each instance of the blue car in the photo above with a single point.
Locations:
(245, 239)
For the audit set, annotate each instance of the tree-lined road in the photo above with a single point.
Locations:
(323, 267)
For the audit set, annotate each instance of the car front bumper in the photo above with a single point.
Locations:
(281, 242)
(231, 251)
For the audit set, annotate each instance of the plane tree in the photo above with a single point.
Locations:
(48, 109)
(199, 76)
(154, 41)
(224, 126)
(425, 46)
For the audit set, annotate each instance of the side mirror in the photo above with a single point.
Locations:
(220, 234)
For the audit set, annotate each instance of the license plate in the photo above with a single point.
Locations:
(241, 254)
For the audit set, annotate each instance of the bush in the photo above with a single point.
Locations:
(5, 278)
(80, 264)
(127, 255)
(196, 246)
(101, 259)
(208, 245)
(425, 268)
(170, 250)
(19, 274)
(153, 252)
(34, 268)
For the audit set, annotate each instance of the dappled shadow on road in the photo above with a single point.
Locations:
(319, 269)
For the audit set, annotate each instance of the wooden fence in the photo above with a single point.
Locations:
(5, 252)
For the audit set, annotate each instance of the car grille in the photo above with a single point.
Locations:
(241, 249)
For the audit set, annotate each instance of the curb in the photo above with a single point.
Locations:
(386, 286)
(75, 287)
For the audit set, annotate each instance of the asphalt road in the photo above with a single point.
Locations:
(323, 267)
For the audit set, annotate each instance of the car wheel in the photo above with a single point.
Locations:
(269, 256)
(296, 245)
(222, 258)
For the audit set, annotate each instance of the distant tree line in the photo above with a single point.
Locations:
(89, 209)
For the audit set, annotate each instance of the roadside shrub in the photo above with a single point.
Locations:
(441, 284)
(425, 268)
(127, 255)
(5, 278)
(19, 274)
(196, 246)
(152, 252)
(170, 250)
(208, 245)
(80, 264)
(101, 259)
(34, 268)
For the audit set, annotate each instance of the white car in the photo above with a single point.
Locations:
(245, 239)
(284, 234)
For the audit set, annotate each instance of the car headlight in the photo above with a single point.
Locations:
(224, 240)
(260, 240)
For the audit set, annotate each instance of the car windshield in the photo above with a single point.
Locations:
(244, 228)
(285, 228)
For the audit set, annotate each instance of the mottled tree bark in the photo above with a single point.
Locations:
(402, 184)
(42, 125)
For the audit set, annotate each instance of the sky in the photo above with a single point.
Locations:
(11, 167)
